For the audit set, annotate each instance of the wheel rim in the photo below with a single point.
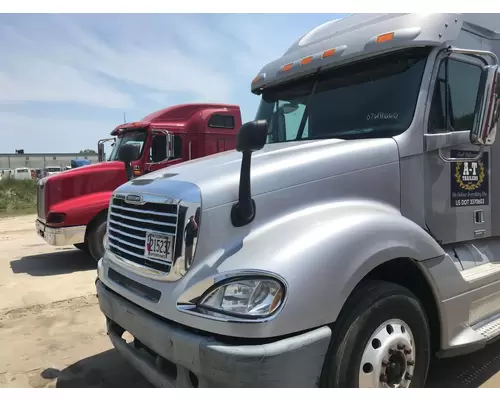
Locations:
(388, 359)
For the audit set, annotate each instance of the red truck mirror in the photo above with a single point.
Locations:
(127, 153)
(101, 156)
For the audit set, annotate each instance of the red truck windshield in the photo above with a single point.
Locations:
(137, 138)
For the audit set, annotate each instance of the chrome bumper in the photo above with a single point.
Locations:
(61, 236)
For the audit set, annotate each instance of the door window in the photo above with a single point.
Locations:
(158, 150)
(454, 98)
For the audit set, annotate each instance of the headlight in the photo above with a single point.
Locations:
(245, 297)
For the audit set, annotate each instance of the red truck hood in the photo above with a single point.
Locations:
(86, 180)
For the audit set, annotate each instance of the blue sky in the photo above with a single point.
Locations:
(66, 80)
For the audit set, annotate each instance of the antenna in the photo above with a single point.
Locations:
(124, 118)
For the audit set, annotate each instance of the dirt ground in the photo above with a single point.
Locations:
(52, 332)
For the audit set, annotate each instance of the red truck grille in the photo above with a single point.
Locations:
(40, 201)
(128, 224)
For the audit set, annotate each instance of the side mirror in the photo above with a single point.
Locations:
(128, 153)
(486, 114)
(100, 152)
(252, 136)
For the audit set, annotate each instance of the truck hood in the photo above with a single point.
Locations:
(93, 178)
(276, 166)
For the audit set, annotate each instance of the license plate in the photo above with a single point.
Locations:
(158, 246)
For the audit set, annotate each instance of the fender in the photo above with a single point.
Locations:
(323, 252)
(82, 209)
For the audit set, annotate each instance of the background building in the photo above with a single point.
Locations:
(40, 160)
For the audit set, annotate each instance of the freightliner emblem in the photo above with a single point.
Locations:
(134, 198)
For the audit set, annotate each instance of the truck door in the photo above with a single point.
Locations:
(457, 194)
(221, 145)
(165, 150)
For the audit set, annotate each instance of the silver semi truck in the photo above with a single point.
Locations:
(351, 237)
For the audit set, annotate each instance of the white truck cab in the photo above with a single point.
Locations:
(353, 235)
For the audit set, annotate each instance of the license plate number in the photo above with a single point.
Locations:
(158, 246)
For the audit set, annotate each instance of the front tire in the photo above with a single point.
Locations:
(381, 339)
(95, 238)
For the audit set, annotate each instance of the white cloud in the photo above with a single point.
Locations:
(28, 73)
(64, 61)
(67, 57)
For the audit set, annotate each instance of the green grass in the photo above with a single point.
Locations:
(17, 196)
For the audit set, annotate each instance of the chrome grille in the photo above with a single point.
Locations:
(40, 200)
(128, 224)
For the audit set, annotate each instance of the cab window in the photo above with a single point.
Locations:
(454, 97)
(158, 150)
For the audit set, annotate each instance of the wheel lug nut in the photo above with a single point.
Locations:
(407, 351)
(392, 352)
(401, 346)
(383, 378)
(410, 363)
(408, 376)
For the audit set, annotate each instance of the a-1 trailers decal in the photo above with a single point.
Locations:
(470, 180)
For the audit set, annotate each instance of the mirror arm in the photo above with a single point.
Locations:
(243, 212)
(476, 53)
(128, 171)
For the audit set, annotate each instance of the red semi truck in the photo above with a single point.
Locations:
(73, 205)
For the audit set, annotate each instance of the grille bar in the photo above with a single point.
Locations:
(139, 219)
(135, 228)
(126, 234)
(40, 201)
(125, 242)
(144, 211)
(127, 227)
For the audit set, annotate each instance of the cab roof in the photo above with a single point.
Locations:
(178, 115)
(360, 36)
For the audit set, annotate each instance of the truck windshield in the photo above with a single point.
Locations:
(368, 99)
(137, 138)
